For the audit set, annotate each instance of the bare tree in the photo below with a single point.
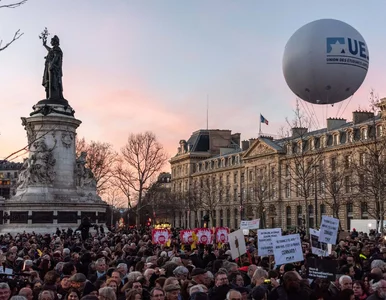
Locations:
(303, 156)
(260, 193)
(114, 197)
(141, 159)
(370, 165)
(193, 202)
(17, 34)
(161, 202)
(209, 196)
(100, 160)
(335, 179)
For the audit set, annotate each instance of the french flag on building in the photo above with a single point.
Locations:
(263, 120)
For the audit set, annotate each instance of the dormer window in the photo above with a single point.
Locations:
(364, 133)
(289, 148)
(335, 139)
(323, 142)
(300, 147)
(379, 131)
(350, 136)
(312, 144)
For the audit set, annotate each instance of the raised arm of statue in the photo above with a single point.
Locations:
(45, 46)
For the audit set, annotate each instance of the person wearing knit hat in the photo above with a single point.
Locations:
(172, 291)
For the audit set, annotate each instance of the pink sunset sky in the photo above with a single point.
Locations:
(132, 66)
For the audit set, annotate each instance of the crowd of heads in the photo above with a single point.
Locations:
(126, 265)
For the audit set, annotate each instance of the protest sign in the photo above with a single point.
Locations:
(317, 248)
(287, 249)
(204, 236)
(264, 240)
(321, 268)
(186, 236)
(237, 243)
(222, 235)
(253, 224)
(328, 230)
(160, 236)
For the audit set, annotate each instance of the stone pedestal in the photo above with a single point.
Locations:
(55, 190)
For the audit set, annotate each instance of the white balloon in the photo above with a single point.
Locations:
(325, 61)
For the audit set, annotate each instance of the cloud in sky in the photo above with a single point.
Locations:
(133, 66)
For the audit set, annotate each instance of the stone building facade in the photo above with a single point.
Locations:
(215, 174)
(9, 172)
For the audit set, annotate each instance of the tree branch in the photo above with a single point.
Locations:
(13, 5)
(16, 36)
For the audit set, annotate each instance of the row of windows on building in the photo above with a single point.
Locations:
(312, 143)
(8, 175)
(207, 165)
(261, 172)
(300, 216)
(225, 220)
(334, 139)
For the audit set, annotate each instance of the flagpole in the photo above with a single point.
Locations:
(260, 126)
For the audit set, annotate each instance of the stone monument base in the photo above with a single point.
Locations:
(37, 217)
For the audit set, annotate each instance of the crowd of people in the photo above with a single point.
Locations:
(126, 265)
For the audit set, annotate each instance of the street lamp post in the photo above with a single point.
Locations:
(241, 205)
(316, 198)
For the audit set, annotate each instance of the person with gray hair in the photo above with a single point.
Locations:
(107, 293)
(181, 272)
(46, 295)
(233, 295)
(132, 276)
(377, 263)
(231, 267)
(18, 297)
(59, 267)
(379, 288)
(345, 282)
(259, 276)
(27, 293)
(66, 254)
(198, 288)
(5, 291)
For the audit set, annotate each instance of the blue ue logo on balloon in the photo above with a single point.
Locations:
(347, 51)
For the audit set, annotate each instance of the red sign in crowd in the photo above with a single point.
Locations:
(203, 236)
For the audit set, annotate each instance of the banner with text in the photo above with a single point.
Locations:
(264, 240)
(252, 224)
(287, 249)
(328, 230)
(321, 268)
(317, 248)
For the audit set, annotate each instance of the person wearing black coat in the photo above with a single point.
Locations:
(84, 228)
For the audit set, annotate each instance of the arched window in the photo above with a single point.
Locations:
(322, 211)
(299, 210)
(288, 217)
(236, 218)
(228, 218)
(311, 216)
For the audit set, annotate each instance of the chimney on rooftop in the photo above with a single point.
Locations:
(361, 116)
(334, 123)
(299, 131)
(244, 145)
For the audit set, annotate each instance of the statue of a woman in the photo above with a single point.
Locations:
(52, 77)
